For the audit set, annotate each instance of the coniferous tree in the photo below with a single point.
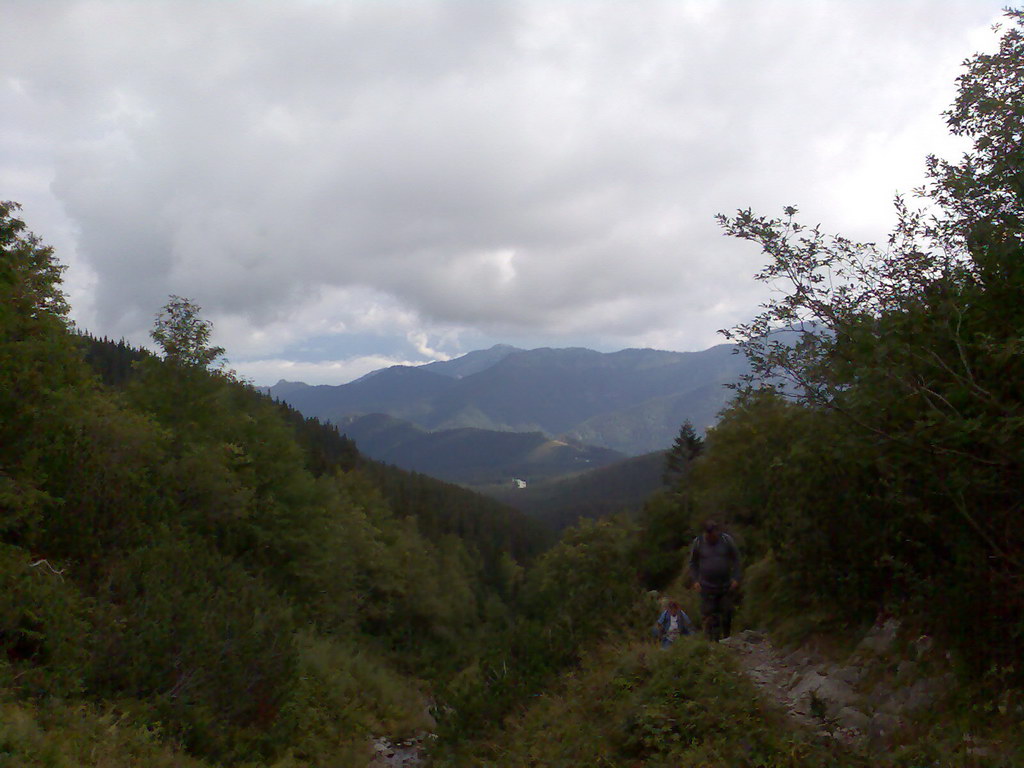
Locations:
(686, 447)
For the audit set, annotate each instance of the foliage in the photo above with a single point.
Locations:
(584, 580)
(582, 590)
(65, 735)
(665, 530)
(619, 488)
(37, 363)
(113, 362)
(636, 705)
(686, 447)
(43, 619)
(184, 336)
(198, 551)
(186, 564)
(343, 694)
(666, 520)
(904, 463)
(202, 646)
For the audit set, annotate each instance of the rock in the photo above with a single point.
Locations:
(905, 670)
(891, 703)
(923, 645)
(397, 753)
(849, 675)
(833, 693)
(880, 637)
(761, 675)
(752, 636)
(811, 681)
(853, 719)
(922, 695)
(797, 659)
(882, 727)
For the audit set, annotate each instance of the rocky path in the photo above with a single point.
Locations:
(836, 699)
(772, 675)
(404, 753)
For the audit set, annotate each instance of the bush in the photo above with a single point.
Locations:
(341, 697)
(43, 621)
(62, 735)
(199, 644)
(687, 707)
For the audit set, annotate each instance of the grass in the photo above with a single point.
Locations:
(343, 696)
(630, 705)
(635, 705)
(60, 735)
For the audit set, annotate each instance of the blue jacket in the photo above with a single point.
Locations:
(685, 627)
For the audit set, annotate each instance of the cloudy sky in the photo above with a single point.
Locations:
(347, 185)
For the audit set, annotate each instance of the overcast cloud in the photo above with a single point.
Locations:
(344, 185)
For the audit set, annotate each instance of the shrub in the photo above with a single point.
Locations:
(43, 620)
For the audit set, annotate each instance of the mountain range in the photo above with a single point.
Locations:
(631, 402)
(474, 457)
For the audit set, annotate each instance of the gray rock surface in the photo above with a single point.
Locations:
(853, 719)
(850, 675)
(924, 694)
(881, 728)
(906, 670)
(833, 693)
(880, 637)
(405, 753)
(861, 698)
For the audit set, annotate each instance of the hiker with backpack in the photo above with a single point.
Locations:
(715, 570)
(672, 623)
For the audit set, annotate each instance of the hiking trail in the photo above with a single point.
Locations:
(868, 698)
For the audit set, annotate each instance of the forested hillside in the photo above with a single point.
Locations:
(622, 487)
(472, 457)
(205, 567)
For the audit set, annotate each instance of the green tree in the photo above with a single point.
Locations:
(184, 336)
(666, 520)
(916, 347)
(179, 388)
(39, 362)
(686, 447)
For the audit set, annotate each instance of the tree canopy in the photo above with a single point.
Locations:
(183, 335)
(912, 354)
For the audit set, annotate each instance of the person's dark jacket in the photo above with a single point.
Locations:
(715, 566)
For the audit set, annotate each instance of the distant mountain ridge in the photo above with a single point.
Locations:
(632, 401)
(474, 457)
(622, 487)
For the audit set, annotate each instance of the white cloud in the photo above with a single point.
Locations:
(432, 171)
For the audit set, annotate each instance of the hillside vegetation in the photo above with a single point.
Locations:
(471, 457)
(619, 488)
(687, 707)
(188, 566)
